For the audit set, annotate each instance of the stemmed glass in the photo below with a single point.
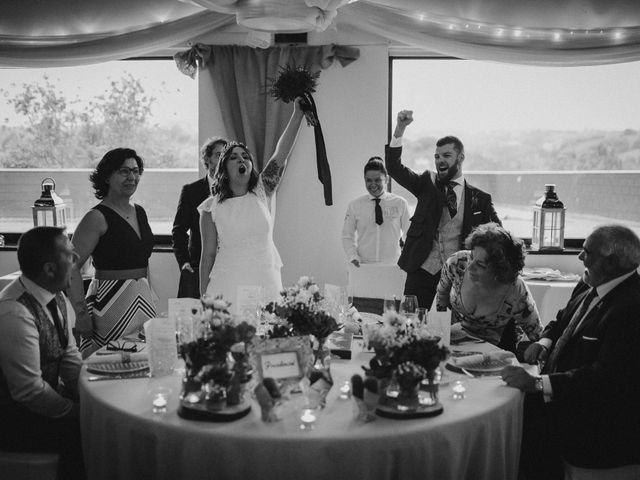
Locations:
(409, 305)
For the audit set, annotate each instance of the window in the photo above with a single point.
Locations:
(59, 122)
(523, 127)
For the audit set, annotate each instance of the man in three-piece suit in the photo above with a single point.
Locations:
(585, 407)
(448, 208)
(186, 225)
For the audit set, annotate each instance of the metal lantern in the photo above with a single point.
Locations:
(548, 221)
(49, 209)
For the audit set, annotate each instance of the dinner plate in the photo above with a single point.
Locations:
(485, 364)
(117, 368)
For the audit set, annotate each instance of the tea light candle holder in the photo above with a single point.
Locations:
(308, 419)
(345, 390)
(159, 399)
(459, 390)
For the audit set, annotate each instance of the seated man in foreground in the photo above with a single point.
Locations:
(39, 360)
(584, 407)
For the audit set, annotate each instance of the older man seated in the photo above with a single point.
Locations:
(584, 407)
(39, 360)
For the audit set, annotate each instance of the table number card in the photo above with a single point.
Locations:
(161, 340)
(440, 324)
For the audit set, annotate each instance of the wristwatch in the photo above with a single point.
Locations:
(539, 386)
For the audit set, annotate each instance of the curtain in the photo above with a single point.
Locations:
(241, 77)
(87, 49)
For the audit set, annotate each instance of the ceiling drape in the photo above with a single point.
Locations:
(89, 49)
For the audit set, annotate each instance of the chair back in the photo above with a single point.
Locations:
(28, 466)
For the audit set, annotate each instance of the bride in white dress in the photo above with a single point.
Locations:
(236, 224)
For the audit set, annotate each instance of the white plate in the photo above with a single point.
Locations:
(370, 317)
(486, 363)
(117, 368)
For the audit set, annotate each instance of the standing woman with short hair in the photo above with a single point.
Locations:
(117, 235)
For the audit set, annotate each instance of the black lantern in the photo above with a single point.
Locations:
(49, 209)
(548, 221)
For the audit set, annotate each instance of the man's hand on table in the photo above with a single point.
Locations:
(518, 378)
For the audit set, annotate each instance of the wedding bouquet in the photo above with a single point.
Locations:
(300, 82)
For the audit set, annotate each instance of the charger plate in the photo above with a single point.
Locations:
(199, 411)
(485, 364)
(390, 408)
(117, 368)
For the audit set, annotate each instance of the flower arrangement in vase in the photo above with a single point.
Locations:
(217, 366)
(406, 356)
(301, 311)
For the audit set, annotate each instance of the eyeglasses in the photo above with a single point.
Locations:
(122, 347)
(125, 172)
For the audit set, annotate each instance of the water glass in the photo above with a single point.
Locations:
(409, 304)
(390, 304)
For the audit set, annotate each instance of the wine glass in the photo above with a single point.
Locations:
(389, 304)
(409, 305)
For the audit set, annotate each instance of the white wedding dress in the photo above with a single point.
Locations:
(246, 253)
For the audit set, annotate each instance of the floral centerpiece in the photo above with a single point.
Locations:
(301, 311)
(405, 355)
(217, 362)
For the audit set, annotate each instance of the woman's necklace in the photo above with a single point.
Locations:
(122, 213)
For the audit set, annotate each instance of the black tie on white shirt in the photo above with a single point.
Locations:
(378, 211)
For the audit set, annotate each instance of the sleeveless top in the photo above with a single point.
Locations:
(51, 350)
(120, 248)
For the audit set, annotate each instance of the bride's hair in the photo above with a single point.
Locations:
(221, 177)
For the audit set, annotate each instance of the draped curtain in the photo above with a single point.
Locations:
(241, 77)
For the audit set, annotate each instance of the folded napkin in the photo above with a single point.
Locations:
(107, 356)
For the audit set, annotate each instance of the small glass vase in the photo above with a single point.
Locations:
(319, 374)
(408, 394)
(215, 396)
(431, 387)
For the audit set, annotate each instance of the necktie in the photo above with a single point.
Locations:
(452, 200)
(62, 335)
(552, 363)
(378, 211)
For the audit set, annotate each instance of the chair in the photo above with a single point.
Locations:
(628, 472)
(28, 466)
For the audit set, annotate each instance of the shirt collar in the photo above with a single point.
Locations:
(459, 180)
(381, 197)
(42, 295)
(605, 288)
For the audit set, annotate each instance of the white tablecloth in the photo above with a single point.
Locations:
(478, 437)
(550, 297)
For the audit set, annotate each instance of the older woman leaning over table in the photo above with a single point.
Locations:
(117, 235)
(485, 292)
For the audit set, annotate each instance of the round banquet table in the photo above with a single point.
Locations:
(477, 437)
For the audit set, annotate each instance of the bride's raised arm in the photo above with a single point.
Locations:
(272, 173)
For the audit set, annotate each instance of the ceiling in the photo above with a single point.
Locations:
(44, 20)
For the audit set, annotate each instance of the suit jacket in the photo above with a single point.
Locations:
(185, 233)
(596, 387)
(478, 209)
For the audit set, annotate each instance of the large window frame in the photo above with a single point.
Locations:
(572, 241)
(72, 182)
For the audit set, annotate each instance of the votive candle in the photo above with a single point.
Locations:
(308, 419)
(458, 390)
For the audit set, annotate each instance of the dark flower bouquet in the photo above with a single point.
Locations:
(300, 82)
(408, 352)
(294, 82)
(300, 311)
(219, 354)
